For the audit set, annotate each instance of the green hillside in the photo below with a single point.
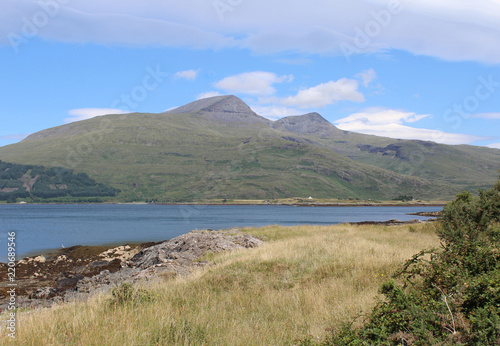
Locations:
(219, 148)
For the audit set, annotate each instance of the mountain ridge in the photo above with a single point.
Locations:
(220, 148)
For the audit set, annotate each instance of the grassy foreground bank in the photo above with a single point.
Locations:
(303, 281)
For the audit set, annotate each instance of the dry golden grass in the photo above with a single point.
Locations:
(304, 280)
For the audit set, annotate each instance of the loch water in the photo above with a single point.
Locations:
(39, 228)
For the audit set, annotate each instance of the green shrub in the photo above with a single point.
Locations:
(127, 294)
(449, 295)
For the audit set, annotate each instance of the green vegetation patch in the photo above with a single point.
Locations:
(39, 182)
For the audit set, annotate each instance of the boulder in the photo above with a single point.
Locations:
(39, 259)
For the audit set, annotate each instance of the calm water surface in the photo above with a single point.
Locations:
(42, 227)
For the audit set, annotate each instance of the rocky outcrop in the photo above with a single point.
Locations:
(66, 276)
(185, 249)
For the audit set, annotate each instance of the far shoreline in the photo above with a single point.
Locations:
(253, 203)
(311, 204)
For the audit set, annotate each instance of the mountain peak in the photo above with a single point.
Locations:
(314, 117)
(227, 108)
(311, 123)
(226, 103)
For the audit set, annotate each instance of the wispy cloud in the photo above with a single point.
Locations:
(252, 83)
(382, 116)
(15, 137)
(487, 115)
(275, 112)
(494, 145)
(208, 94)
(295, 61)
(367, 76)
(448, 29)
(391, 123)
(189, 74)
(87, 113)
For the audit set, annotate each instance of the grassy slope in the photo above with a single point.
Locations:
(459, 167)
(304, 280)
(175, 157)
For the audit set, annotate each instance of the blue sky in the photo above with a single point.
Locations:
(415, 69)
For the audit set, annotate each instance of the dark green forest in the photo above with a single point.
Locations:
(39, 183)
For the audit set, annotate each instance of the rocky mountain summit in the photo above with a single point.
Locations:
(67, 275)
(228, 109)
(311, 123)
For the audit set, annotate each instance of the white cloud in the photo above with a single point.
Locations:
(189, 74)
(325, 94)
(15, 137)
(87, 113)
(390, 123)
(448, 29)
(367, 76)
(487, 115)
(113, 22)
(382, 116)
(494, 145)
(208, 94)
(274, 112)
(252, 83)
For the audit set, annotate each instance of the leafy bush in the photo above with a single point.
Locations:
(449, 295)
(127, 294)
(11, 199)
(403, 198)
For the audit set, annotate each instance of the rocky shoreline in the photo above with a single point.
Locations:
(435, 215)
(392, 222)
(77, 272)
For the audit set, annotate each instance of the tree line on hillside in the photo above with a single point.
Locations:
(39, 182)
(445, 296)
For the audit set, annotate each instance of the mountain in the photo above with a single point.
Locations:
(219, 148)
(461, 167)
